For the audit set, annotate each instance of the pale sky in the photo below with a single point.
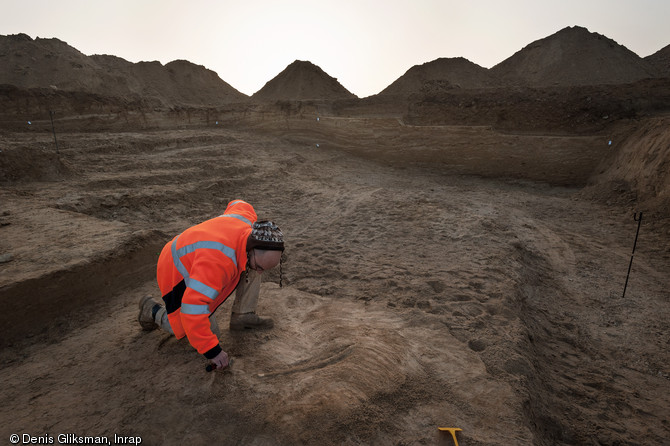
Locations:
(365, 44)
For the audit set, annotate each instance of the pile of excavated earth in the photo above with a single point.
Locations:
(471, 248)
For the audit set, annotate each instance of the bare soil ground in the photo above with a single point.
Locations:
(417, 295)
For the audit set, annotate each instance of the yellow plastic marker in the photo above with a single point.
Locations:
(453, 432)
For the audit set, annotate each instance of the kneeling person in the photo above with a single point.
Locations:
(201, 267)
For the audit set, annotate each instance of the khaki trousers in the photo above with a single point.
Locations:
(246, 301)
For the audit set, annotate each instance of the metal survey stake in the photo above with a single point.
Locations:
(639, 222)
(51, 115)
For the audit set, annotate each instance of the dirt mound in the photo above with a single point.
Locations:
(178, 82)
(573, 56)
(52, 63)
(637, 169)
(442, 73)
(302, 80)
(44, 63)
(660, 60)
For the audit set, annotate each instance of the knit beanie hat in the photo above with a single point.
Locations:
(265, 235)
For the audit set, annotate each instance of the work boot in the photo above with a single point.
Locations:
(147, 313)
(242, 321)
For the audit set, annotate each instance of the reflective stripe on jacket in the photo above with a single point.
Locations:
(200, 268)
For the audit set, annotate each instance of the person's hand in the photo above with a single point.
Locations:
(220, 361)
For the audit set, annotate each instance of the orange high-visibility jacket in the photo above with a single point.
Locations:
(198, 269)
